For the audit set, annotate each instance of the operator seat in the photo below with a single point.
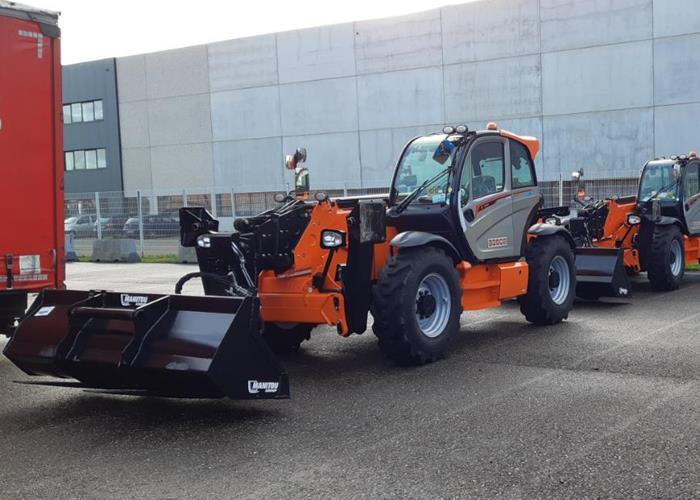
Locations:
(483, 185)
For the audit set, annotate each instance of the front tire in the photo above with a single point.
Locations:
(285, 338)
(552, 281)
(666, 259)
(416, 306)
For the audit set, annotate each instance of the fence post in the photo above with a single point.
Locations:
(138, 201)
(98, 214)
(184, 198)
(561, 190)
(233, 204)
(214, 212)
(345, 189)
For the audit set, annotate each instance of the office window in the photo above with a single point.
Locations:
(91, 159)
(76, 112)
(98, 110)
(102, 158)
(67, 114)
(69, 161)
(79, 160)
(88, 111)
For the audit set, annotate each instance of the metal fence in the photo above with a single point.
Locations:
(151, 218)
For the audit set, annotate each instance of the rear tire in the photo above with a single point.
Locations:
(416, 305)
(552, 281)
(285, 339)
(666, 259)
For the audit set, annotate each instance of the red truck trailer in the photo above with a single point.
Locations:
(31, 158)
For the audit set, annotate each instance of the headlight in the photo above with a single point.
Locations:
(204, 241)
(633, 219)
(551, 220)
(332, 239)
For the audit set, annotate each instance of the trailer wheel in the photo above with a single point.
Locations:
(284, 338)
(416, 305)
(552, 281)
(666, 258)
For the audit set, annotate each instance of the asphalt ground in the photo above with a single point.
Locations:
(605, 405)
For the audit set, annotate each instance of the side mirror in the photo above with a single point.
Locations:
(443, 151)
(577, 175)
(299, 156)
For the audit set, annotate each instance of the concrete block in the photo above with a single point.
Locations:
(246, 114)
(133, 124)
(250, 165)
(333, 159)
(181, 165)
(320, 106)
(487, 30)
(243, 63)
(177, 72)
(131, 78)
(402, 42)
(570, 24)
(400, 98)
(315, 53)
(179, 120)
(136, 169)
(380, 151)
(676, 129)
(114, 250)
(70, 255)
(677, 70)
(186, 255)
(676, 17)
(606, 144)
(597, 79)
(486, 90)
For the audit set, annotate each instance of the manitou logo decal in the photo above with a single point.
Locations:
(497, 242)
(133, 300)
(255, 387)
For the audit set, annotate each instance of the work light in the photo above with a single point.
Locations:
(332, 239)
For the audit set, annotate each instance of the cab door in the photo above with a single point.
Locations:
(691, 197)
(485, 205)
(523, 181)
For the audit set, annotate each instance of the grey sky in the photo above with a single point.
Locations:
(95, 29)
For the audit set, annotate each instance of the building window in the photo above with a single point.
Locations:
(79, 112)
(86, 159)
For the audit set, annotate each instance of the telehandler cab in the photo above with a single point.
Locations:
(657, 231)
(456, 232)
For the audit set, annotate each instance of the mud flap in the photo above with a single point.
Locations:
(164, 345)
(600, 272)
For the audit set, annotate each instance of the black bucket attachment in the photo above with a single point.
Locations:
(163, 345)
(600, 272)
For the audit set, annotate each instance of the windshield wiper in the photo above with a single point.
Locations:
(662, 189)
(413, 194)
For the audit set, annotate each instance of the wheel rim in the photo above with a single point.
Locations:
(676, 258)
(559, 279)
(433, 304)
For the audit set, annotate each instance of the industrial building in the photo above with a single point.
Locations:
(605, 85)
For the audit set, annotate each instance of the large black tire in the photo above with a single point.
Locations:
(420, 282)
(666, 258)
(551, 263)
(286, 339)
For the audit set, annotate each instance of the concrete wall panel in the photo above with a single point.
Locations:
(607, 144)
(320, 106)
(676, 17)
(676, 129)
(136, 168)
(570, 24)
(249, 165)
(242, 63)
(380, 150)
(598, 78)
(400, 98)
(179, 120)
(131, 78)
(246, 114)
(171, 164)
(333, 159)
(177, 72)
(133, 123)
(490, 29)
(493, 89)
(677, 70)
(405, 42)
(311, 54)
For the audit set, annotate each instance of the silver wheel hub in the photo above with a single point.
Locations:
(433, 304)
(676, 258)
(559, 280)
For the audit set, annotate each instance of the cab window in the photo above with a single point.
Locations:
(691, 186)
(522, 170)
(487, 169)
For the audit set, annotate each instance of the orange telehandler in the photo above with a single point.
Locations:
(457, 232)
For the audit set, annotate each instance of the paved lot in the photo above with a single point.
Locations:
(605, 405)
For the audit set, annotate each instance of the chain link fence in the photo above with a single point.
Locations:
(151, 218)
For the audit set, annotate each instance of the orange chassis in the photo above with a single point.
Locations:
(290, 297)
